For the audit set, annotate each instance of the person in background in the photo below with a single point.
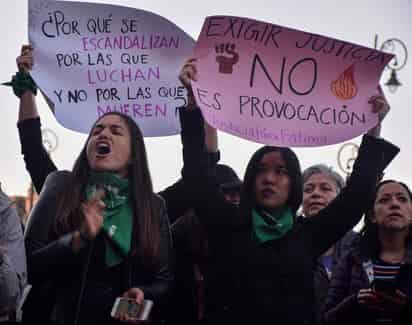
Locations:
(230, 183)
(321, 185)
(372, 284)
(197, 285)
(13, 271)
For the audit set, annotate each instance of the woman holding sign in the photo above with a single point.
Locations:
(99, 232)
(373, 283)
(267, 258)
(189, 248)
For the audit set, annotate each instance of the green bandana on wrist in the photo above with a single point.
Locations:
(117, 225)
(21, 82)
(267, 227)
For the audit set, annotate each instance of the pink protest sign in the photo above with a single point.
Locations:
(278, 86)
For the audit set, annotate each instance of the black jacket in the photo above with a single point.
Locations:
(351, 275)
(52, 264)
(190, 304)
(273, 282)
(184, 301)
(322, 278)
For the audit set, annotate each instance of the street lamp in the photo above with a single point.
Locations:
(50, 140)
(393, 83)
(398, 48)
(346, 157)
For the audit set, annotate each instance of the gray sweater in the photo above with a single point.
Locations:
(13, 271)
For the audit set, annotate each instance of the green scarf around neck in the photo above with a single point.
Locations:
(271, 226)
(117, 225)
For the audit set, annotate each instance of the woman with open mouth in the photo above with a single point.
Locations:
(99, 232)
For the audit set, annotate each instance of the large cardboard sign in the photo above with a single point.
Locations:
(279, 86)
(96, 58)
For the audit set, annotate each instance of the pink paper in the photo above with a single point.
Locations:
(278, 86)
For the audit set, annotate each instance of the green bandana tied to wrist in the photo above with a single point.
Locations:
(267, 227)
(21, 82)
(117, 225)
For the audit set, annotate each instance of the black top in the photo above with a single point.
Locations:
(273, 282)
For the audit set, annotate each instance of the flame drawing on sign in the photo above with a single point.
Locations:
(345, 87)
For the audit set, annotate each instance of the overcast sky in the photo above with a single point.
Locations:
(352, 20)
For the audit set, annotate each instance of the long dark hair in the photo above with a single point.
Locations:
(369, 244)
(146, 224)
(248, 197)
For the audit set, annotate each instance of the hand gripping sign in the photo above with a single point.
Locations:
(96, 58)
(278, 86)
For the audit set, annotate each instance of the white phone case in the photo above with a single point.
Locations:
(143, 311)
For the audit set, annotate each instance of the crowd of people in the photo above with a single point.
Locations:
(276, 247)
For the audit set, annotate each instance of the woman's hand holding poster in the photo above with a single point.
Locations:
(96, 58)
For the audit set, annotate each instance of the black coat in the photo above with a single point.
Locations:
(341, 306)
(39, 165)
(52, 264)
(322, 278)
(189, 303)
(273, 282)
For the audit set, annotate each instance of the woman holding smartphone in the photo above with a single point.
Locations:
(97, 232)
(373, 283)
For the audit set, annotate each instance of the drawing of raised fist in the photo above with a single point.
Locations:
(226, 57)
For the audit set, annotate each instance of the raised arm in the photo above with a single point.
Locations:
(37, 159)
(187, 74)
(381, 107)
(200, 154)
(195, 137)
(199, 175)
(331, 223)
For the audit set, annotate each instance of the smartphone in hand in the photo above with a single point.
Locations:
(385, 287)
(129, 307)
(388, 291)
